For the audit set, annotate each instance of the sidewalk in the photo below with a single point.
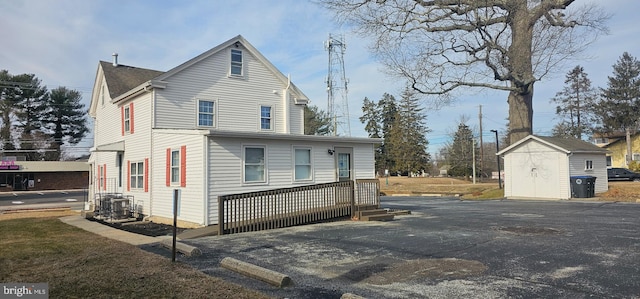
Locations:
(110, 232)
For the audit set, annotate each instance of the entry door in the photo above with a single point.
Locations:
(344, 163)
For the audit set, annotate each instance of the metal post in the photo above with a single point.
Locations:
(498, 159)
(175, 223)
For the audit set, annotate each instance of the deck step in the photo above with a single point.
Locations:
(371, 212)
(380, 217)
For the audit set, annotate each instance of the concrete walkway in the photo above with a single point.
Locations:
(110, 232)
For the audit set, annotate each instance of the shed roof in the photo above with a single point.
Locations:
(565, 144)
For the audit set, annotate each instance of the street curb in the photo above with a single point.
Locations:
(185, 249)
(351, 296)
(269, 276)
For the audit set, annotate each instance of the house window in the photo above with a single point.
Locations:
(236, 62)
(609, 161)
(206, 113)
(136, 175)
(127, 119)
(175, 167)
(588, 165)
(265, 118)
(302, 170)
(254, 164)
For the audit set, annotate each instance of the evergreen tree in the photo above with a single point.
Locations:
(316, 121)
(388, 111)
(407, 144)
(65, 119)
(371, 118)
(7, 90)
(575, 105)
(29, 109)
(619, 108)
(460, 152)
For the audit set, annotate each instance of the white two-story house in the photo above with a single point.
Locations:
(224, 122)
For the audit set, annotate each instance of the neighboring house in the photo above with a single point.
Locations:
(604, 139)
(618, 151)
(224, 122)
(540, 167)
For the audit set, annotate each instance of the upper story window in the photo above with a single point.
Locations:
(127, 119)
(588, 165)
(254, 164)
(206, 113)
(265, 118)
(236, 62)
(302, 161)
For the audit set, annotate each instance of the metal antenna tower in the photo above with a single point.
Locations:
(337, 102)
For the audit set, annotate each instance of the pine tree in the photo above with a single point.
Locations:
(7, 90)
(575, 105)
(65, 120)
(316, 121)
(619, 108)
(407, 143)
(29, 109)
(460, 152)
(388, 111)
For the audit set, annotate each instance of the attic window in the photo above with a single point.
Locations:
(236, 62)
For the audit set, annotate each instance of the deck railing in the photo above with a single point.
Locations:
(285, 207)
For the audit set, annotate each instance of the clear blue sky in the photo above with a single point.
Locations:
(62, 41)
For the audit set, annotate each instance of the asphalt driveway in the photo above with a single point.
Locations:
(448, 248)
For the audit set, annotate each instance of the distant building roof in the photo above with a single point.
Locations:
(122, 78)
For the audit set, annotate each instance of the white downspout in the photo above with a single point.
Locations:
(206, 187)
(286, 108)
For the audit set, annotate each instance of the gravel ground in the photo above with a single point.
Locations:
(447, 248)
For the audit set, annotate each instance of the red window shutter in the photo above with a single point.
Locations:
(104, 176)
(168, 167)
(183, 166)
(131, 118)
(146, 175)
(122, 119)
(128, 175)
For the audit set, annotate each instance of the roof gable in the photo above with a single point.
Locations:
(300, 97)
(566, 145)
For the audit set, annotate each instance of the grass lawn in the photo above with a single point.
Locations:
(37, 247)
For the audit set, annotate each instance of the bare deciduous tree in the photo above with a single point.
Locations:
(442, 45)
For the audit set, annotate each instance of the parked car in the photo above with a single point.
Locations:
(622, 174)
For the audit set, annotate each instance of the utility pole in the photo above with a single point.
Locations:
(481, 144)
(498, 159)
(473, 163)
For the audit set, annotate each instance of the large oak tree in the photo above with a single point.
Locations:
(441, 46)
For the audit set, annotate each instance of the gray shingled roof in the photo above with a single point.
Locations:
(572, 144)
(123, 78)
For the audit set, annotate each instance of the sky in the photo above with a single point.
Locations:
(62, 41)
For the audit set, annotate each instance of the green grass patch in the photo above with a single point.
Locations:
(79, 264)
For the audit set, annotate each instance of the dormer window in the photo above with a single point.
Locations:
(236, 62)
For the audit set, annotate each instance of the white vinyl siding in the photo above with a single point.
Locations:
(208, 79)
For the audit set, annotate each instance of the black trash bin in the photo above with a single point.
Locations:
(583, 186)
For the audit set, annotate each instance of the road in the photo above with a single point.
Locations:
(44, 199)
(447, 248)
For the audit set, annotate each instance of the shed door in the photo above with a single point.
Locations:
(536, 175)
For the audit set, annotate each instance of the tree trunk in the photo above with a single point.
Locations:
(520, 116)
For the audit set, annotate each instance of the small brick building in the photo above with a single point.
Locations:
(43, 175)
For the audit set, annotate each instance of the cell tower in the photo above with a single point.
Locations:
(337, 102)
